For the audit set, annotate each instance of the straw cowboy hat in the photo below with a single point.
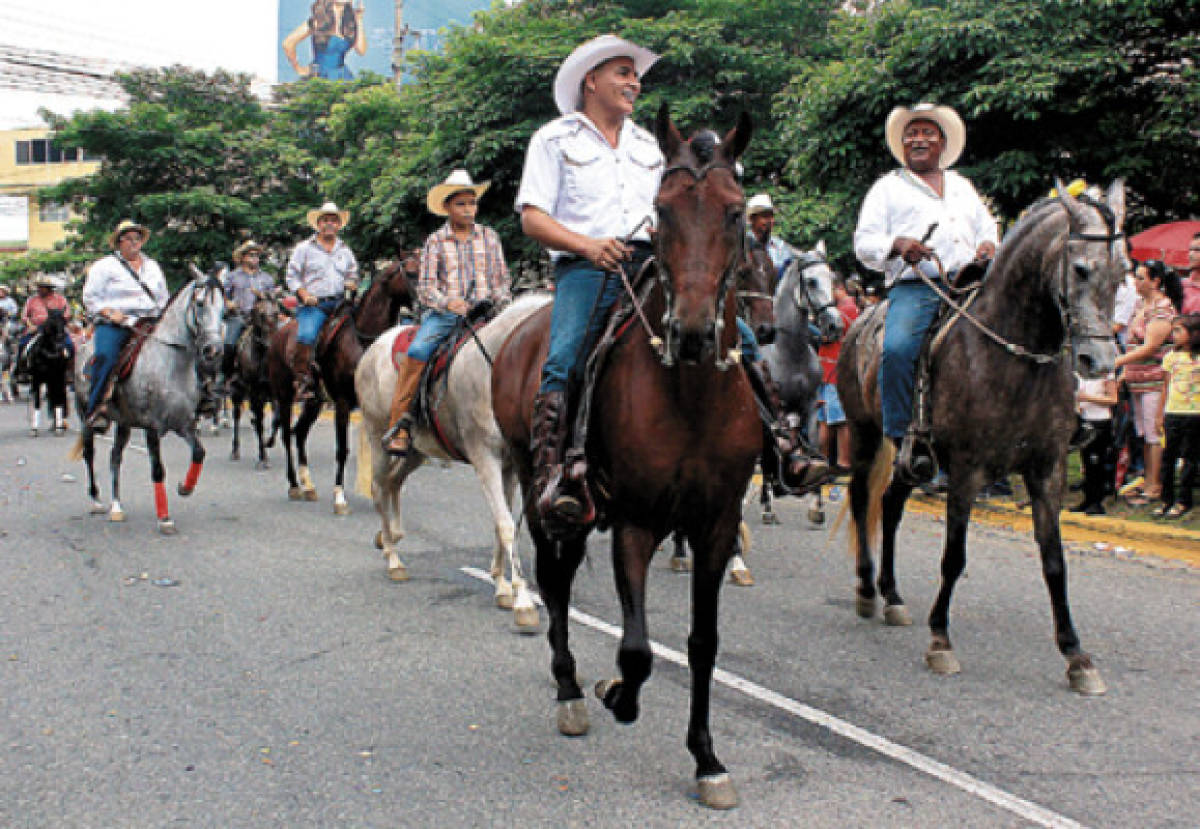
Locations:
(328, 209)
(456, 182)
(947, 119)
(124, 227)
(586, 57)
(45, 280)
(244, 248)
(759, 203)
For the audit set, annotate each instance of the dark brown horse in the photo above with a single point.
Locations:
(1002, 401)
(673, 435)
(248, 379)
(355, 327)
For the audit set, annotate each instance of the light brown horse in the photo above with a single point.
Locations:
(674, 434)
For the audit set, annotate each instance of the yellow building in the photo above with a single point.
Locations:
(29, 161)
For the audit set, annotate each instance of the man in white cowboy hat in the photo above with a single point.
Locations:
(760, 216)
(120, 289)
(462, 265)
(320, 270)
(910, 215)
(242, 288)
(588, 186)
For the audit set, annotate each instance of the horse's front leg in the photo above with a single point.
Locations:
(341, 429)
(632, 548)
(387, 479)
(680, 563)
(712, 550)
(256, 417)
(308, 416)
(158, 475)
(556, 565)
(498, 486)
(1045, 493)
(188, 485)
(120, 441)
(963, 485)
(860, 510)
(235, 402)
(895, 612)
(87, 444)
(35, 406)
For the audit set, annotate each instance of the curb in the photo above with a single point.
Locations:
(1162, 541)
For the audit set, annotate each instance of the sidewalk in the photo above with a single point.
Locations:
(1161, 539)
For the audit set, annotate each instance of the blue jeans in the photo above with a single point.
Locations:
(912, 306)
(577, 286)
(749, 343)
(435, 327)
(107, 342)
(830, 411)
(235, 324)
(310, 318)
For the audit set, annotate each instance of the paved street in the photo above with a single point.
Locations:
(264, 672)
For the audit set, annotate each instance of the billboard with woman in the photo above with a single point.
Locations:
(335, 39)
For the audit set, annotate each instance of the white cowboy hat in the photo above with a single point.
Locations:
(244, 248)
(328, 209)
(947, 119)
(45, 280)
(456, 182)
(586, 57)
(124, 227)
(759, 203)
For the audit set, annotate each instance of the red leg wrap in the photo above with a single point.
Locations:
(160, 500)
(193, 477)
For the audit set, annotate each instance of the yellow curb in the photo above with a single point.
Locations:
(1167, 542)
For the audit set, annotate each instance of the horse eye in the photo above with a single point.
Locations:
(1082, 271)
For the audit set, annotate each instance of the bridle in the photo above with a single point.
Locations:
(1076, 329)
(667, 353)
(801, 293)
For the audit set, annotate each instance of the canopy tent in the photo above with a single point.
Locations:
(1168, 242)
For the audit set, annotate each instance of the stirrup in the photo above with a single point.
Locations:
(916, 462)
(404, 424)
(98, 421)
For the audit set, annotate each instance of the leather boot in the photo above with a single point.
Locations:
(915, 462)
(396, 439)
(565, 509)
(302, 372)
(784, 451)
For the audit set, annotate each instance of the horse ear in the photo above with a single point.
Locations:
(1115, 199)
(821, 249)
(666, 132)
(736, 139)
(1074, 209)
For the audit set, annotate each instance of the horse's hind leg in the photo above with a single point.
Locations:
(120, 441)
(1082, 675)
(256, 417)
(497, 491)
(35, 406)
(341, 429)
(235, 402)
(632, 548)
(87, 441)
(867, 443)
(387, 479)
(188, 485)
(556, 565)
(308, 416)
(895, 613)
(158, 475)
(680, 563)
(283, 419)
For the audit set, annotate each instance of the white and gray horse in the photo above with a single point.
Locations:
(465, 415)
(161, 393)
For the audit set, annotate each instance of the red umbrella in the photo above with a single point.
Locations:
(1167, 242)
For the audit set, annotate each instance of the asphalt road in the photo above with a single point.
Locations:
(282, 680)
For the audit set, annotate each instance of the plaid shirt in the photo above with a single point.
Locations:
(470, 270)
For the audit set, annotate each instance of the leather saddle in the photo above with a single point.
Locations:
(142, 329)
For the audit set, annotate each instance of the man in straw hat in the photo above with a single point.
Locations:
(38, 307)
(243, 287)
(587, 194)
(909, 216)
(760, 216)
(320, 270)
(120, 289)
(462, 265)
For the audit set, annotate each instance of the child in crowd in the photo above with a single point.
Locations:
(1095, 400)
(1179, 416)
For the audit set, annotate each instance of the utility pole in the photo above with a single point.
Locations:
(398, 44)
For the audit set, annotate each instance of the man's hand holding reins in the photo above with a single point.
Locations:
(606, 254)
(910, 250)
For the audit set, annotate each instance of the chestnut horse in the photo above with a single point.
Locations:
(674, 434)
(337, 356)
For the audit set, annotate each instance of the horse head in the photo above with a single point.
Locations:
(1092, 267)
(701, 234)
(264, 314)
(805, 295)
(52, 334)
(398, 279)
(200, 322)
(755, 293)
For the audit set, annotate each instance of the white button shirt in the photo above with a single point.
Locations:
(901, 204)
(323, 274)
(588, 186)
(109, 285)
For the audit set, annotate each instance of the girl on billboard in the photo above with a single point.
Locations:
(335, 29)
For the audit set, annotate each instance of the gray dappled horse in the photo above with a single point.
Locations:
(1002, 401)
(803, 302)
(161, 393)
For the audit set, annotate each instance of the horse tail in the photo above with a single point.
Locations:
(75, 453)
(364, 474)
(878, 480)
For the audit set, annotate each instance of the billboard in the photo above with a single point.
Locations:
(14, 222)
(335, 39)
(421, 20)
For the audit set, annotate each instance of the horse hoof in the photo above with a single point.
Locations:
(816, 517)
(338, 509)
(573, 718)
(681, 564)
(398, 573)
(527, 619)
(606, 689)
(262, 465)
(97, 508)
(183, 491)
(1086, 681)
(717, 792)
(116, 516)
(167, 527)
(770, 518)
(741, 578)
(379, 540)
(33, 433)
(235, 455)
(310, 495)
(294, 494)
(942, 662)
(864, 607)
(504, 601)
(897, 615)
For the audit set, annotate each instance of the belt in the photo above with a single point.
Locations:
(641, 251)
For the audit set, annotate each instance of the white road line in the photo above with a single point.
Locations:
(1025, 809)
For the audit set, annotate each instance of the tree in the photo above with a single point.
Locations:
(1072, 88)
